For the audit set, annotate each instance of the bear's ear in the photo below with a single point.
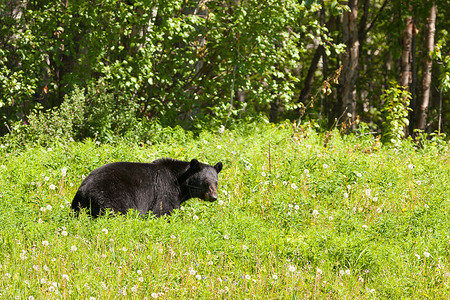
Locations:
(194, 164)
(218, 167)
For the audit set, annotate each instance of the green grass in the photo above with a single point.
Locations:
(295, 220)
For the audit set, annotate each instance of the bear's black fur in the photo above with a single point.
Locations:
(160, 186)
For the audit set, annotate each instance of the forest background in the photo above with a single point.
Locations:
(79, 69)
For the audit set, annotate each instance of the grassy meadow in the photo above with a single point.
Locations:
(300, 215)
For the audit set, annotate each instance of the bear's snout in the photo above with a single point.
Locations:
(211, 195)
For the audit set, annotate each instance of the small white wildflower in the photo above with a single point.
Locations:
(345, 195)
(195, 217)
(419, 182)
(275, 276)
(372, 291)
(365, 226)
(105, 231)
(3, 167)
(49, 149)
(45, 243)
(139, 272)
(263, 174)
(141, 279)
(378, 210)
(359, 174)
(46, 178)
(375, 199)
(192, 272)
(244, 247)
(42, 209)
(426, 206)
(417, 255)
(155, 295)
(7, 275)
(325, 166)
(341, 272)
(248, 168)
(349, 187)
(220, 202)
(64, 171)
(65, 277)
(426, 254)
(219, 147)
(49, 207)
(294, 186)
(134, 288)
(221, 129)
(411, 166)
(43, 281)
(285, 183)
(296, 207)
(51, 289)
(292, 268)
(330, 218)
(361, 279)
(73, 248)
(198, 276)
(319, 271)
(64, 233)
(248, 277)
(306, 171)
(315, 213)
(347, 272)
(226, 237)
(368, 192)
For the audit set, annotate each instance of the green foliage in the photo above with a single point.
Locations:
(395, 113)
(180, 62)
(350, 220)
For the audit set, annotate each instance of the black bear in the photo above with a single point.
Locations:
(160, 186)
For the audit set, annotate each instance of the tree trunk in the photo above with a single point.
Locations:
(306, 90)
(405, 79)
(427, 64)
(350, 61)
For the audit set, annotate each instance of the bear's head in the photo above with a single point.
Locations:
(201, 180)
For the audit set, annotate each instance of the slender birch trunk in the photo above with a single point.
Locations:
(350, 60)
(427, 64)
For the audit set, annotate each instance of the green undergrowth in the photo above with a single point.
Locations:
(300, 215)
